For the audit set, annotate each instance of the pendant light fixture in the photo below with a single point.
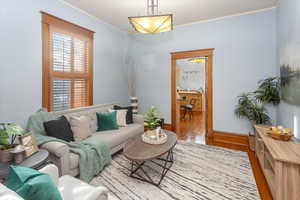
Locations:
(197, 60)
(153, 22)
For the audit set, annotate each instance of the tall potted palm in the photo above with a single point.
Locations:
(251, 106)
(268, 91)
(250, 109)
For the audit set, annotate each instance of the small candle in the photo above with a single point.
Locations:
(157, 132)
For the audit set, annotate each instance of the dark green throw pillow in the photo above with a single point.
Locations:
(107, 121)
(31, 184)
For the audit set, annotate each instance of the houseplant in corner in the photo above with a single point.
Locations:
(8, 134)
(268, 91)
(251, 106)
(250, 109)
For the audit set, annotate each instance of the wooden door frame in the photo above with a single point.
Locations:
(208, 53)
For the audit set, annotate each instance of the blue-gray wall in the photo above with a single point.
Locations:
(288, 28)
(245, 52)
(21, 56)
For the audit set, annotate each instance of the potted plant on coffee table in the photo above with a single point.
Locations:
(152, 120)
(8, 134)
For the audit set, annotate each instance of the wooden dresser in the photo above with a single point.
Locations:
(186, 97)
(280, 162)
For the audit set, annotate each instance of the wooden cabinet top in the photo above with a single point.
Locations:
(280, 150)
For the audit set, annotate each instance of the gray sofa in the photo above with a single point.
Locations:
(67, 161)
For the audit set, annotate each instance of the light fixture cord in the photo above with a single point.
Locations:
(153, 6)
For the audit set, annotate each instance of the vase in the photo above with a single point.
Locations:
(134, 104)
(6, 156)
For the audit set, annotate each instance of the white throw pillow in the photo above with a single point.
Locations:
(121, 116)
(80, 127)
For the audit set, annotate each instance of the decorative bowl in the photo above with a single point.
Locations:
(151, 137)
(280, 133)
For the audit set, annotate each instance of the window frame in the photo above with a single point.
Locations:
(51, 22)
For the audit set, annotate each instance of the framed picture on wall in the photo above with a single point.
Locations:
(29, 142)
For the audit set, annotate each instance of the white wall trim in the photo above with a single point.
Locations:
(227, 16)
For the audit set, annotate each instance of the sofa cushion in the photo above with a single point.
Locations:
(107, 121)
(93, 121)
(89, 111)
(59, 128)
(121, 117)
(114, 138)
(80, 127)
(129, 114)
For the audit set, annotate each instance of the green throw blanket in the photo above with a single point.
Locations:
(94, 154)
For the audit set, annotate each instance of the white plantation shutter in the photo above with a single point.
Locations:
(61, 98)
(61, 52)
(67, 65)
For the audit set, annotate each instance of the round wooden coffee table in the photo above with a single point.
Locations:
(139, 152)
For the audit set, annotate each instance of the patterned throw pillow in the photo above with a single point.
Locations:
(121, 116)
(129, 115)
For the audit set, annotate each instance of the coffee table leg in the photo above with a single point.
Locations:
(148, 179)
(139, 165)
(166, 168)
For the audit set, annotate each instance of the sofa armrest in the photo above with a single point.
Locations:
(138, 119)
(73, 188)
(103, 193)
(52, 171)
(59, 154)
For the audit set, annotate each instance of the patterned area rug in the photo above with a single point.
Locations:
(199, 172)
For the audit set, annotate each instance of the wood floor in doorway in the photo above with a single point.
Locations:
(193, 129)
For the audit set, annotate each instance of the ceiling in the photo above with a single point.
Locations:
(116, 12)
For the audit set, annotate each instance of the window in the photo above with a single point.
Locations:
(67, 64)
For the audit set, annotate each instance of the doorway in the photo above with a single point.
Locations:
(192, 94)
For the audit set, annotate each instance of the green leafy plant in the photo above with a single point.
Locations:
(250, 109)
(152, 118)
(268, 91)
(8, 134)
(251, 105)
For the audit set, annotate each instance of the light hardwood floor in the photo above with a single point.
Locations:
(192, 129)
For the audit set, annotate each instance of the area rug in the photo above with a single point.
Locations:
(199, 172)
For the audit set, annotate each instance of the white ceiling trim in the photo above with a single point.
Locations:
(227, 16)
(181, 25)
